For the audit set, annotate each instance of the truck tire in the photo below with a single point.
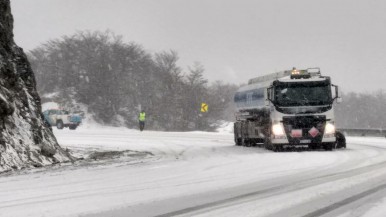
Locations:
(267, 144)
(72, 127)
(340, 140)
(328, 146)
(59, 124)
(245, 140)
(277, 148)
(236, 135)
(242, 142)
(248, 143)
(267, 139)
(238, 142)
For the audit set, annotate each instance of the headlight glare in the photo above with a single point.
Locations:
(329, 129)
(277, 130)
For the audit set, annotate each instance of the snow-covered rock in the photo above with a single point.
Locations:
(24, 139)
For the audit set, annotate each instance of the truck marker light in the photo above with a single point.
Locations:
(277, 130)
(297, 133)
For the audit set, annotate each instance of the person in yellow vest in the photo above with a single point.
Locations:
(142, 118)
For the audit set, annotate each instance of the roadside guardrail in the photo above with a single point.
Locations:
(363, 132)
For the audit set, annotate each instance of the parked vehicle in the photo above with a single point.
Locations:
(62, 118)
(288, 109)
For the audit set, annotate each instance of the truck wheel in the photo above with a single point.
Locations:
(59, 125)
(238, 142)
(277, 148)
(243, 143)
(267, 140)
(236, 135)
(252, 142)
(73, 127)
(267, 144)
(340, 140)
(248, 142)
(329, 146)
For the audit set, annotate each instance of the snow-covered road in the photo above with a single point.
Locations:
(198, 174)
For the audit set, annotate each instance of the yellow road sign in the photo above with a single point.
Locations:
(204, 107)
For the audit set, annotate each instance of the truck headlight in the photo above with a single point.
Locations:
(329, 129)
(277, 130)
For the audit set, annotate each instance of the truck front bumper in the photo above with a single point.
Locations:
(302, 142)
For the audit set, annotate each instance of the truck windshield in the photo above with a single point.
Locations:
(303, 94)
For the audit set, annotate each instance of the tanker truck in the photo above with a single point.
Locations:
(292, 108)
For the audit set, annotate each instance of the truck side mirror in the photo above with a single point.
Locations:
(269, 95)
(336, 93)
(266, 102)
(339, 100)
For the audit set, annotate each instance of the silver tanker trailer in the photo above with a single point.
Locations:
(292, 108)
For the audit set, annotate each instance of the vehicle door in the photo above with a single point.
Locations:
(52, 115)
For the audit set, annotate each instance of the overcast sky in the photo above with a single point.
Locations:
(234, 39)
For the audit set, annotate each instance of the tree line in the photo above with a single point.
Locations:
(114, 80)
(362, 110)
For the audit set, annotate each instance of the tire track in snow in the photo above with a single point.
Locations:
(346, 201)
(285, 188)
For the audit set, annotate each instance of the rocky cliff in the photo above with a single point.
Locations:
(24, 139)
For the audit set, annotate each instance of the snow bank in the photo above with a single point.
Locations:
(50, 105)
(225, 127)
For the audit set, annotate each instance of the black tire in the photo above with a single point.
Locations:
(235, 132)
(73, 127)
(248, 142)
(267, 140)
(59, 124)
(238, 142)
(340, 140)
(243, 143)
(328, 146)
(253, 143)
(267, 144)
(277, 148)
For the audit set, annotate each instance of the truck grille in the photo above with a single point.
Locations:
(304, 123)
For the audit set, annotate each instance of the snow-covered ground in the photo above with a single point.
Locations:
(197, 174)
